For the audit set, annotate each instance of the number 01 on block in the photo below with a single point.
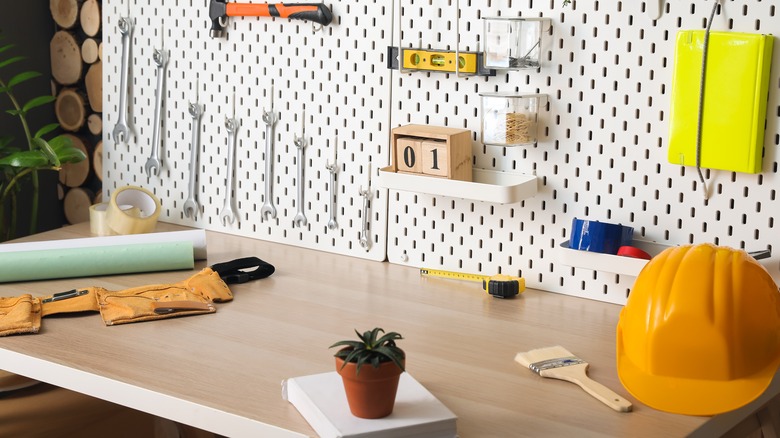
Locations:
(433, 151)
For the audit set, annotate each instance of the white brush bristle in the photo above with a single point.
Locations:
(540, 354)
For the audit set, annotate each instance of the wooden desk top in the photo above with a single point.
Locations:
(222, 372)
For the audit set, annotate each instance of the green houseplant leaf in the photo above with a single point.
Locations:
(21, 77)
(47, 151)
(5, 140)
(25, 159)
(66, 152)
(46, 129)
(10, 61)
(35, 102)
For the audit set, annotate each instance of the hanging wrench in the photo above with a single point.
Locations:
(160, 58)
(367, 194)
(300, 143)
(120, 133)
(364, 242)
(333, 169)
(268, 211)
(191, 207)
(228, 213)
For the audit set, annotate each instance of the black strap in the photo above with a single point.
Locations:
(235, 271)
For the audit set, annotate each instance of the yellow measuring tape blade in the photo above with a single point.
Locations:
(501, 286)
(453, 275)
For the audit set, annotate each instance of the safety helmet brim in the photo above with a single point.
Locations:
(690, 396)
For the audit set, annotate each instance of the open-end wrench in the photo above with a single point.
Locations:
(268, 211)
(191, 207)
(367, 194)
(333, 169)
(365, 243)
(300, 144)
(160, 58)
(228, 213)
(120, 133)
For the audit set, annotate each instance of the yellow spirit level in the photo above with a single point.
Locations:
(445, 61)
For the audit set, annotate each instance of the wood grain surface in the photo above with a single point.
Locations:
(222, 372)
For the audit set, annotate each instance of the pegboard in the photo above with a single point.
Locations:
(601, 153)
(329, 77)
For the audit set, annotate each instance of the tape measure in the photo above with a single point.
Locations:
(499, 285)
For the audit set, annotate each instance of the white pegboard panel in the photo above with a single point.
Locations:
(601, 153)
(336, 74)
(602, 148)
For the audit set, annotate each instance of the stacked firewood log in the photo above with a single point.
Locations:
(77, 81)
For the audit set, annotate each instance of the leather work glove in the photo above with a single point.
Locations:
(20, 314)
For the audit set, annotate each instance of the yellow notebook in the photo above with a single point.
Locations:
(735, 99)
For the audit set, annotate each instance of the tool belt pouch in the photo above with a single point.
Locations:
(148, 303)
(73, 301)
(20, 314)
(208, 284)
(192, 296)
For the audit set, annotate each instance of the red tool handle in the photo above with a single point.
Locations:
(315, 12)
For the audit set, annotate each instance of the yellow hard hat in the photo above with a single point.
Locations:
(700, 332)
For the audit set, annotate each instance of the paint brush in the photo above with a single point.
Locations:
(558, 363)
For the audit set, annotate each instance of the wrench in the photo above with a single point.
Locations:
(160, 58)
(364, 242)
(366, 194)
(333, 169)
(191, 207)
(268, 211)
(228, 213)
(300, 143)
(121, 127)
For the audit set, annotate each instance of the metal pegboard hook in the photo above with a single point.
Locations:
(457, 38)
(655, 8)
(700, 115)
(315, 28)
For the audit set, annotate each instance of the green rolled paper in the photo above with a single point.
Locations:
(93, 261)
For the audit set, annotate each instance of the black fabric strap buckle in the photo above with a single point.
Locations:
(236, 271)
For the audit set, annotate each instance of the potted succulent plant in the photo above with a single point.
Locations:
(370, 369)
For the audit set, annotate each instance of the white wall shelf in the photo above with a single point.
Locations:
(487, 185)
(608, 262)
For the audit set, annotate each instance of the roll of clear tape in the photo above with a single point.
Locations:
(123, 221)
(98, 222)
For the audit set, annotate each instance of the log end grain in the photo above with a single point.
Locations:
(75, 174)
(95, 124)
(93, 82)
(64, 12)
(90, 17)
(70, 109)
(76, 205)
(65, 51)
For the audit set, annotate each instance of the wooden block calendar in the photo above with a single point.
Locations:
(432, 151)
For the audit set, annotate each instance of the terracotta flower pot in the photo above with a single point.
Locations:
(370, 394)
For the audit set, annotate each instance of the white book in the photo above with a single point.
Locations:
(321, 399)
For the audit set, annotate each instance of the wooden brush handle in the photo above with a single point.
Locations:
(577, 374)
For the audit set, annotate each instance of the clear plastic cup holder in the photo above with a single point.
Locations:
(509, 119)
(513, 43)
